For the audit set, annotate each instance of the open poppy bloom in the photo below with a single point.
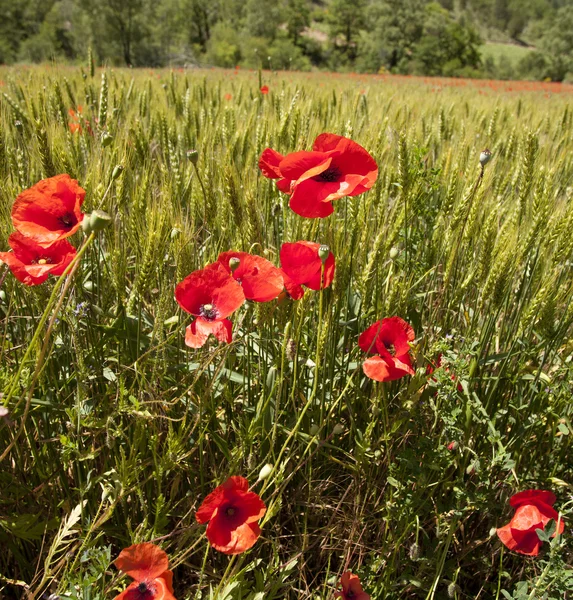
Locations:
(302, 264)
(534, 509)
(264, 89)
(148, 566)
(260, 279)
(336, 167)
(232, 512)
(211, 295)
(390, 339)
(31, 263)
(351, 588)
(50, 210)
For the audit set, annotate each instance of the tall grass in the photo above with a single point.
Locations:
(128, 430)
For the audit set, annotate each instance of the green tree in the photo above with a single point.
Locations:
(447, 47)
(346, 18)
(297, 14)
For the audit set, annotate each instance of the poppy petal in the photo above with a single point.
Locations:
(200, 329)
(307, 200)
(532, 497)
(300, 261)
(142, 561)
(294, 290)
(232, 541)
(367, 339)
(326, 142)
(285, 186)
(269, 163)
(326, 275)
(303, 164)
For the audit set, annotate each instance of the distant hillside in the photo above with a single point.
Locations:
(469, 38)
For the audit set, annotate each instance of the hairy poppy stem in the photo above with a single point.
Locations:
(66, 276)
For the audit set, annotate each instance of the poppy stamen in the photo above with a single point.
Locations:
(331, 174)
(390, 347)
(208, 312)
(142, 587)
(230, 511)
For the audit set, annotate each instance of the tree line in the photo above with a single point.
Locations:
(397, 36)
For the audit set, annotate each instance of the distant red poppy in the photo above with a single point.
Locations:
(148, 565)
(232, 512)
(389, 338)
(31, 263)
(335, 168)
(438, 365)
(260, 279)
(50, 210)
(228, 97)
(303, 266)
(533, 511)
(351, 588)
(265, 89)
(211, 295)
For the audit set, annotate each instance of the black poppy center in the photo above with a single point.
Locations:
(68, 220)
(349, 594)
(331, 174)
(144, 591)
(230, 512)
(42, 260)
(208, 312)
(390, 347)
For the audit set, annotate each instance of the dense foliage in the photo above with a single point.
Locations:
(399, 36)
(113, 432)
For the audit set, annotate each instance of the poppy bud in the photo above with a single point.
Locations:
(314, 429)
(99, 220)
(86, 226)
(2, 295)
(106, 139)
(116, 172)
(265, 471)
(414, 551)
(323, 252)
(338, 429)
(193, 156)
(393, 253)
(452, 446)
(234, 263)
(484, 157)
(3, 412)
(453, 588)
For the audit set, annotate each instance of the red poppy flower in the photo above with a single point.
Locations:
(32, 263)
(265, 89)
(232, 512)
(335, 168)
(148, 565)
(211, 295)
(351, 588)
(260, 279)
(533, 511)
(389, 338)
(50, 210)
(303, 266)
